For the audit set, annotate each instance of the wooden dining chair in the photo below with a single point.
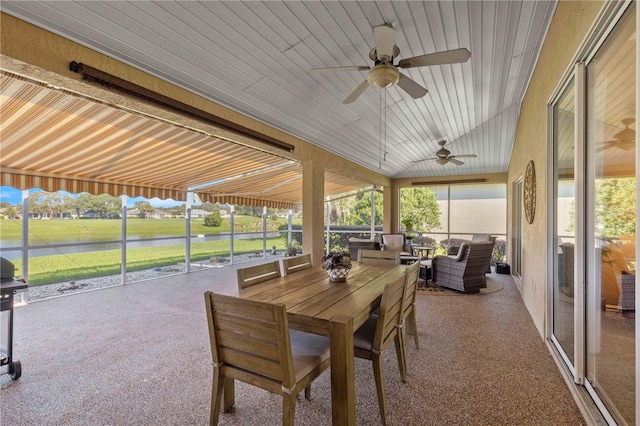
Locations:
(375, 335)
(408, 323)
(253, 275)
(379, 256)
(296, 263)
(251, 342)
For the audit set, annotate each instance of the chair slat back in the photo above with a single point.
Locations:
(296, 263)
(410, 285)
(390, 314)
(379, 256)
(253, 275)
(250, 336)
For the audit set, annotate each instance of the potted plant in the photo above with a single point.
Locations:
(407, 223)
(337, 265)
(292, 248)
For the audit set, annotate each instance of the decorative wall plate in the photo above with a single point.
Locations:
(530, 192)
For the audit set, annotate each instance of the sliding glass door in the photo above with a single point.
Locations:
(592, 234)
(563, 302)
(518, 217)
(611, 221)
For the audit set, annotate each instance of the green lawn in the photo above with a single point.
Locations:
(73, 266)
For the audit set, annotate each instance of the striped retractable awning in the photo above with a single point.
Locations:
(54, 139)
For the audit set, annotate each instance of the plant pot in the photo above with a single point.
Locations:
(292, 252)
(338, 274)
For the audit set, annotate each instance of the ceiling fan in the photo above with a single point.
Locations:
(443, 156)
(385, 74)
(625, 139)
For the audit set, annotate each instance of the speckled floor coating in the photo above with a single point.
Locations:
(138, 355)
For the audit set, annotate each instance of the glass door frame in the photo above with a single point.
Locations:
(575, 368)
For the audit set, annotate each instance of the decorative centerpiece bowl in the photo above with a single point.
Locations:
(337, 265)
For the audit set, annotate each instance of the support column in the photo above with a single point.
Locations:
(313, 209)
(123, 239)
(391, 208)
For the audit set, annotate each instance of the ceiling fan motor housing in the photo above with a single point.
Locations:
(443, 153)
(383, 76)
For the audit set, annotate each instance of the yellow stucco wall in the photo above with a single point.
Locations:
(571, 22)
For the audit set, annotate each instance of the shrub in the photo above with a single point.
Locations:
(337, 241)
(499, 252)
(424, 240)
(213, 220)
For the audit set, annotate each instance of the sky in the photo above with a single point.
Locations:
(14, 196)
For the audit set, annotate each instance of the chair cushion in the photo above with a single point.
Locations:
(480, 237)
(363, 337)
(461, 252)
(308, 351)
(393, 242)
(426, 263)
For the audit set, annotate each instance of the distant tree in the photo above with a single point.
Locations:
(105, 205)
(615, 208)
(179, 210)
(17, 209)
(213, 220)
(144, 207)
(421, 207)
(50, 203)
(10, 212)
(355, 210)
(208, 207)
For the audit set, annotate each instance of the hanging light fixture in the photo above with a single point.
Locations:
(383, 76)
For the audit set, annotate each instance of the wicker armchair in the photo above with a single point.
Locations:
(617, 278)
(357, 243)
(453, 250)
(465, 271)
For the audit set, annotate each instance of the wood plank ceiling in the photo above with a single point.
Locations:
(254, 57)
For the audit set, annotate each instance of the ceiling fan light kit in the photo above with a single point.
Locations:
(383, 76)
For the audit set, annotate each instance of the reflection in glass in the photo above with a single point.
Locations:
(612, 192)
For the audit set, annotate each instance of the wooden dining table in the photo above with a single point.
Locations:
(335, 309)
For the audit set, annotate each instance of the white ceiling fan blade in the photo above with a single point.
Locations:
(465, 156)
(354, 95)
(439, 58)
(424, 159)
(411, 87)
(456, 162)
(334, 69)
(385, 40)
